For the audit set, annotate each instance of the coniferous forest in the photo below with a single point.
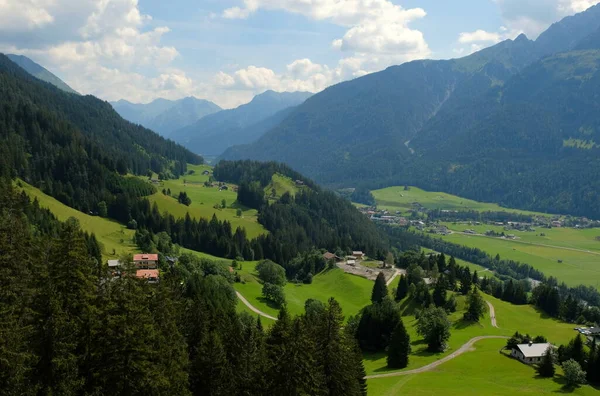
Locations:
(68, 328)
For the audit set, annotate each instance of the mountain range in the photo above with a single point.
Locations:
(165, 116)
(40, 72)
(212, 134)
(516, 123)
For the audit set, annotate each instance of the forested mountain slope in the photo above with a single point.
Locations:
(40, 72)
(165, 116)
(76, 148)
(212, 134)
(424, 122)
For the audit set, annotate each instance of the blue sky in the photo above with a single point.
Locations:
(229, 50)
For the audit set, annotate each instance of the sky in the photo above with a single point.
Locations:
(227, 51)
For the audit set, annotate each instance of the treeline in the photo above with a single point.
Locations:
(585, 298)
(404, 239)
(66, 330)
(473, 215)
(76, 148)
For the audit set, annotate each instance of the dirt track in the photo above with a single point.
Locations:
(252, 307)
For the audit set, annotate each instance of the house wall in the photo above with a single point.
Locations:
(146, 264)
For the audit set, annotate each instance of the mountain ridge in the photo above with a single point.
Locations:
(212, 134)
(361, 132)
(40, 72)
(165, 116)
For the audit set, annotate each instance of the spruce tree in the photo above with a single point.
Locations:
(466, 281)
(546, 367)
(475, 306)
(402, 290)
(380, 290)
(439, 293)
(399, 347)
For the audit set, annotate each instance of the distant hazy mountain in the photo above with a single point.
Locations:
(39, 72)
(517, 123)
(213, 134)
(165, 116)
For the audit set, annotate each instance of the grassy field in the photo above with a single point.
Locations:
(396, 199)
(281, 184)
(577, 267)
(569, 238)
(352, 292)
(204, 200)
(112, 235)
(482, 371)
(510, 318)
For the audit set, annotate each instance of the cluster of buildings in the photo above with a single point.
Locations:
(351, 260)
(383, 216)
(146, 266)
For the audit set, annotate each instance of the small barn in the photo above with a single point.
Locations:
(530, 353)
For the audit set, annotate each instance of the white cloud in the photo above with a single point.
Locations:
(102, 46)
(21, 15)
(478, 36)
(377, 36)
(532, 17)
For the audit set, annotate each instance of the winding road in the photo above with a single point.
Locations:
(389, 282)
(252, 307)
(492, 314)
(465, 348)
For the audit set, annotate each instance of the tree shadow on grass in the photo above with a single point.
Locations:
(463, 324)
(269, 303)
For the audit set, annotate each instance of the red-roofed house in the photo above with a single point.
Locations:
(145, 261)
(151, 275)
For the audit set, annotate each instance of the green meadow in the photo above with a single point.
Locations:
(352, 292)
(206, 201)
(481, 371)
(112, 235)
(570, 266)
(509, 318)
(561, 237)
(397, 199)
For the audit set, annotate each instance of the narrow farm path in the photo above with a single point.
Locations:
(492, 314)
(252, 307)
(465, 348)
(389, 282)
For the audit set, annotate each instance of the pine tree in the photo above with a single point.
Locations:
(399, 347)
(441, 263)
(402, 290)
(16, 295)
(475, 280)
(466, 281)
(475, 306)
(439, 293)
(452, 275)
(546, 367)
(380, 290)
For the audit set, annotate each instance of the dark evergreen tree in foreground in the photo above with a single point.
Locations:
(402, 290)
(68, 327)
(380, 290)
(476, 307)
(399, 347)
(546, 367)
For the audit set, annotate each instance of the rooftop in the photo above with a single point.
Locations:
(145, 256)
(114, 263)
(146, 274)
(533, 350)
